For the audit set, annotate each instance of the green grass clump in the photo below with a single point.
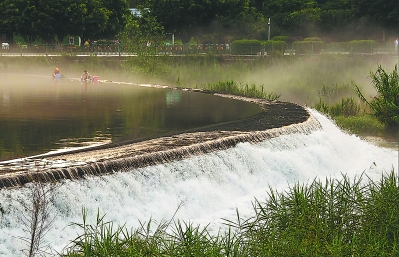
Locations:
(346, 107)
(248, 90)
(361, 125)
(331, 218)
(385, 105)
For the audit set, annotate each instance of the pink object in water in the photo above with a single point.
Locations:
(95, 78)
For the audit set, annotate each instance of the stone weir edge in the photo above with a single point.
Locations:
(104, 166)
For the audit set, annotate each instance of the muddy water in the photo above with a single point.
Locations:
(39, 115)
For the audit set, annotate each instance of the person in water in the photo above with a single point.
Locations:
(85, 76)
(57, 74)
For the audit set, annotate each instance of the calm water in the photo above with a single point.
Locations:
(38, 115)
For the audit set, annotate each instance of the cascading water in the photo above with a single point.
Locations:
(207, 187)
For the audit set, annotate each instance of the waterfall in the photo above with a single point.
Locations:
(276, 119)
(207, 186)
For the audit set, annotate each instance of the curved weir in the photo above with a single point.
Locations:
(275, 119)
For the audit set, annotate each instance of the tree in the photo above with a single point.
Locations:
(237, 20)
(134, 3)
(336, 18)
(140, 30)
(18, 15)
(180, 16)
(377, 13)
(116, 13)
(299, 17)
(196, 18)
(54, 20)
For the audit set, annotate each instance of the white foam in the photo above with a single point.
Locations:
(208, 187)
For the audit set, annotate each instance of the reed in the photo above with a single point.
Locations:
(335, 217)
(243, 89)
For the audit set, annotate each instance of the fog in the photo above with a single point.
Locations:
(301, 80)
(297, 79)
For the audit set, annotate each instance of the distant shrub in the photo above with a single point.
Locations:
(275, 47)
(246, 47)
(311, 45)
(313, 39)
(280, 38)
(361, 46)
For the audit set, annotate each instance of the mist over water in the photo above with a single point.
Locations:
(208, 187)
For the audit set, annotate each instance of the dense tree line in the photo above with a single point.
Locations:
(204, 20)
(52, 21)
(221, 20)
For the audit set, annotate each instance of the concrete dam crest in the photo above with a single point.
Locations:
(275, 119)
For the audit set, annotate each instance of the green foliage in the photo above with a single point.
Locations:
(275, 47)
(362, 125)
(337, 100)
(331, 219)
(139, 31)
(313, 39)
(52, 21)
(245, 46)
(361, 46)
(249, 90)
(280, 38)
(308, 46)
(378, 12)
(333, 93)
(145, 65)
(347, 107)
(385, 105)
(337, 217)
(216, 21)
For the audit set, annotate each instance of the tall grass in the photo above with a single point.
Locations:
(335, 217)
(340, 102)
(346, 107)
(385, 105)
(235, 88)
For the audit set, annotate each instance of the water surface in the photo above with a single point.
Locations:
(38, 115)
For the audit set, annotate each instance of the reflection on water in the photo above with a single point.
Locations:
(6, 99)
(172, 97)
(38, 115)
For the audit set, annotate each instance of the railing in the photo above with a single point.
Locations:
(217, 49)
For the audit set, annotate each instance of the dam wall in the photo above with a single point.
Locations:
(276, 119)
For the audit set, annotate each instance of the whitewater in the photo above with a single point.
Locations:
(203, 189)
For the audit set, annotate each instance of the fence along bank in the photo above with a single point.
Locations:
(269, 49)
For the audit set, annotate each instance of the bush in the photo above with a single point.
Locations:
(361, 46)
(280, 38)
(312, 45)
(385, 105)
(274, 47)
(246, 47)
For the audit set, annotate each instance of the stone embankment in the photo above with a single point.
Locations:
(275, 119)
